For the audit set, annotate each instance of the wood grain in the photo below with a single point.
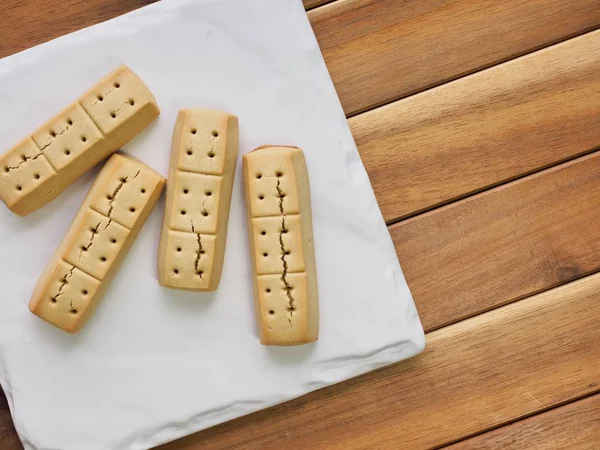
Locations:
(380, 50)
(575, 426)
(8, 436)
(485, 371)
(462, 259)
(505, 244)
(459, 260)
(25, 23)
(481, 130)
(376, 50)
(310, 4)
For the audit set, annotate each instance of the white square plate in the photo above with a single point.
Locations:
(155, 364)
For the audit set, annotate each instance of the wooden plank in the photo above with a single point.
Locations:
(484, 129)
(310, 4)
(444, 154)
(25, 24)
(459, 260)
(28, 23)
(380, 50)
(575, 426)
(480, 373)
(375, 49)
(8, 436)
(505, 244)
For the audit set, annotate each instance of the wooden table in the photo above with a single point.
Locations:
(479, 124)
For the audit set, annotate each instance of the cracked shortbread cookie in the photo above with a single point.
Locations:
(203, 159)
(281, 245)
(107, 223)
(40, 167)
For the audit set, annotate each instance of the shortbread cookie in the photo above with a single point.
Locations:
(41, 166)
(281, 244)
(100, 236)
(203, 160)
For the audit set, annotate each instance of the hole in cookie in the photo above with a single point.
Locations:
(116, 84)
(265, 254)
(282, 195)
(83, 248)
(287, 252)
(109, 197)
(291, 308)
(36, 176)
(143, 191)
(19, 188)
(190, 152)
(200, 273)
(6, 169)
(261, 197)
(186, 191)
(259, 175)
(113, 241)
(278, 174)
(123, 180)
(103, 258)
(285, 230)
(67, 152)
(263, 233)
(193, 131)
(268, 290)
(83, 138)
(73, 311)
(132, 209)
(215, 133)
(176, 271)
(208, 193)
(53, 300)
(69, 122)
(202, 252)
(52, 133)
(84, 292)
(93, 230)
(205, 213)
(131, 102)
(23, 157)
(211, 154)
(113, 114)
(178, 249)
(99, 97)
(183, 212)
(271, 312)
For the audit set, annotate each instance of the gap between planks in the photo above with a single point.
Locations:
(380, 51)
(379, 134)
(500, 124)
(314, 4)
(574, 424)
(488, 370)
(503, 245)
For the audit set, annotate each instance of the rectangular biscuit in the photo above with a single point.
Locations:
(203, 159)
(100, 236)
(41, 166)
(281, 245)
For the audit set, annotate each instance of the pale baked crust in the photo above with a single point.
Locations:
(281, 245)
(107, 223)
(110, 114)
(203, 159)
